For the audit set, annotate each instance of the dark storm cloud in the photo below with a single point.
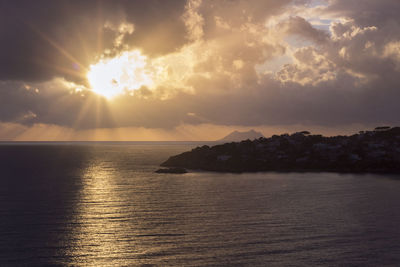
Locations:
(52, 103)
(42, 39)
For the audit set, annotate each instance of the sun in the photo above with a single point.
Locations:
(122, 74)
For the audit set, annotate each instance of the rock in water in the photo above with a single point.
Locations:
(172, 170)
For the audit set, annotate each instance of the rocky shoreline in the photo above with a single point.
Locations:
(376, 151)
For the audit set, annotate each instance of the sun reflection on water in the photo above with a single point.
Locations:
(101, 218)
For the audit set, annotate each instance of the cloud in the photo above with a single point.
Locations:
(366, 12)
(311, 67)
(53, 102)
(194, 22)
(301, 27)
(44, 39)
(208, 59)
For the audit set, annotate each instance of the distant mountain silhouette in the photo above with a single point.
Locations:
(240, 136)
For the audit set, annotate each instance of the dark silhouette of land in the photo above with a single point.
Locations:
(172, 170)
(368, 151)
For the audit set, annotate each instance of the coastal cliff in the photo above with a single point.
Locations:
(369, 151)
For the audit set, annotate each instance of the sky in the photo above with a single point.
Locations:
(196, 69)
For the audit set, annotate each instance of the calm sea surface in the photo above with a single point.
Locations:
(102, 204)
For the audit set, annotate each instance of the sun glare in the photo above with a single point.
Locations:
(122, 74)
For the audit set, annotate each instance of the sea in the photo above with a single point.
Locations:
(102, 204)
